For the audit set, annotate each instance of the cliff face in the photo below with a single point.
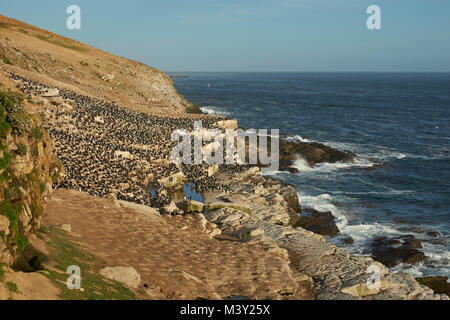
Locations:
(267, 258)
(57, 61)
(27, 168)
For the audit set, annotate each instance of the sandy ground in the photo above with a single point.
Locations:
(176, 257)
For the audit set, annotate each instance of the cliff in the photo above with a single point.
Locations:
(65, 63)
(109, 121)
(27, 168)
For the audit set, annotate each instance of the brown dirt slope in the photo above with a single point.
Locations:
(177, 257)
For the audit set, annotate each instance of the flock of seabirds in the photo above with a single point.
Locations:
(107, 149)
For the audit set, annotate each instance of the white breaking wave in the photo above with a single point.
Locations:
(214, 110)
(303, 166)
(360, 233)
(322, 203)
(437, 265)
(297, 138)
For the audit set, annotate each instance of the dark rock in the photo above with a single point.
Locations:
(312, 152)
(348, 240)
(434, 234)
(392, 251)
(322, 223)
(437, 284)
(376, 166)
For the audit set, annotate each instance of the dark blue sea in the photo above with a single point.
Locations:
(399, 119)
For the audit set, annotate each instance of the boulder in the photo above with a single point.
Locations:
(402, 249)
(171, 207)
(173, 181)
(66, 227)
(123, 154)
(193, 206)
(312, 152)
(246, 233)
(99, 119)
(437, 284)
(228, 124)
(126, 275)
(108, 77)
(322, 223)
(4, 223)
(52, 92)
(213, 169)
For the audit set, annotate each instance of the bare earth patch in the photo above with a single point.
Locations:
(176, 257)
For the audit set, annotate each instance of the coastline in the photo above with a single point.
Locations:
(341, 275)
(114, 153)
(257, 209)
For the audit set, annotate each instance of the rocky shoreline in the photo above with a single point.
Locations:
(109, 151)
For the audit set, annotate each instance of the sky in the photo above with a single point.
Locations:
(256, 35)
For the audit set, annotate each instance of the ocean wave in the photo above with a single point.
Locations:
(362, 233)
(303, 166)
(323, 203)
(214, 110)
(296, 138)
(389, 192)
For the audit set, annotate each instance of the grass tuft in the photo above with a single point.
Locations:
(66, 252)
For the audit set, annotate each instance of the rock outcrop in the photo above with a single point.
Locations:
(312, 152)
(402, 249)
(322, 223)
(27, 170)
(336, 274)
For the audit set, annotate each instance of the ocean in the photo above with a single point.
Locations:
(397, 123)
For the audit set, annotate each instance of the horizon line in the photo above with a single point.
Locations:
(222, 71)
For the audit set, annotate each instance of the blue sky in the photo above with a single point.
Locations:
(256, 35)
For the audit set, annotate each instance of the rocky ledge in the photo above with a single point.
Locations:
(109, 151)
(312, 152)
(258, 209)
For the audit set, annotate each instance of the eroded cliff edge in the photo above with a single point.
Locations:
(113, 155)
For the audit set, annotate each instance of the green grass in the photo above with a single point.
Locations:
(6, 60)
(16, 118)
(12, 287)
(37, 133)
(21, 149)
(5, 161)
(57, 42)
(2, 270)
(21, 241)
(11, 101)
(193, 108)
(66, 252)
(41, 187)
(11, 211)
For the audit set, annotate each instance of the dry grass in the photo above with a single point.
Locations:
(55, 60)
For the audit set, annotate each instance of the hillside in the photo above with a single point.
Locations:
(104, 195)
(54, 60)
